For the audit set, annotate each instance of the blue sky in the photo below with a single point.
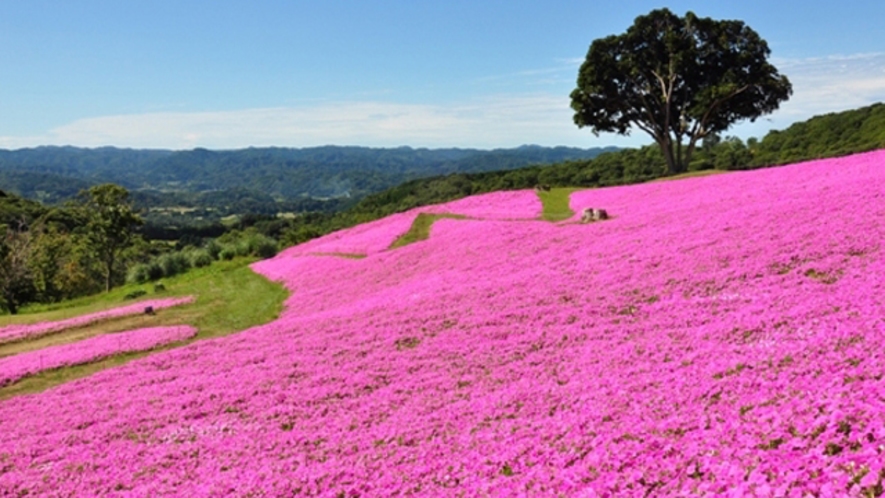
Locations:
(224, 74)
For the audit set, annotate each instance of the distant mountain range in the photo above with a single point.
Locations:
(165, 177)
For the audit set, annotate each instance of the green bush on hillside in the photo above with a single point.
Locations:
(227, 253)
(137, 293)
(173, 263)
(213, 248)
(200, 258)
(137, 274)
(263, 247)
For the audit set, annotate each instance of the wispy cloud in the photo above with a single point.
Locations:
(821, 85)
(834, 83)
(561, 74)
(497, 121)
(826, 84)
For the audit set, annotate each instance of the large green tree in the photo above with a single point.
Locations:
(109, 227)
(677, 79)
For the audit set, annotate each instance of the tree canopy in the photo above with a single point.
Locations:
(677, 78)
(111, 220)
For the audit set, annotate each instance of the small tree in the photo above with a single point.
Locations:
(109, 227)
(16, 281)
(677, 78)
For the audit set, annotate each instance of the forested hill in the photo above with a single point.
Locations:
(827, 135)
(52, 174)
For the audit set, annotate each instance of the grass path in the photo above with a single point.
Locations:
(555, 207)
(420, 229)
(555, 203)
(230, 297)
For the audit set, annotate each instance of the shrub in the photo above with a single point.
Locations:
(244, 244)
(159, 288)
(243, 248)
(154, 270)
(138, 274)
(265, 248)
(201, 258)
(135, 294)
(227, 253)
(258, 245)
(173, 263)
(213, 248)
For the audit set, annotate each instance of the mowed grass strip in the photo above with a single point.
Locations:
(230, 297)
(420, 229)
(555, 203)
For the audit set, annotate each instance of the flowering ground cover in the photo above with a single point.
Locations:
(718, 336)
(377, 236)
(12, 333)
(368, 238)
(19, 366)
(505, 205)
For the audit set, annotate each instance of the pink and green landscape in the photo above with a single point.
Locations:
(720, 335)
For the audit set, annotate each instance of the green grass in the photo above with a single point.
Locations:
(556, 203)
(420, 229)
(230, 297)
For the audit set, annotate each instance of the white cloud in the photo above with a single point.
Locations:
(834, 83)
(821, 85)
(499, 121)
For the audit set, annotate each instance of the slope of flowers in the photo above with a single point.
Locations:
(505, 205)
(22, 365)
(718, 336)
(12, 333)
(376, 236)
(368, 238)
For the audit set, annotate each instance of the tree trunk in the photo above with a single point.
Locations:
(110, 270)
(11, 305)
(667, 150)
(692, 145)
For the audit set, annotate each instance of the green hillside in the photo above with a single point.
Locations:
(829, 135)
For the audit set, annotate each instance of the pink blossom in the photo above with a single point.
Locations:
(12, 333)
(22, 365)
(377, 236)
(718, 336)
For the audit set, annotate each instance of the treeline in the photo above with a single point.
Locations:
(829, 135)
(50, 254)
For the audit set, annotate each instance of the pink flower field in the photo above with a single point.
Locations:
(368, 238)
(12, 333)
(515, 205)
(718, 336)
(377, 236)
(22, 365)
